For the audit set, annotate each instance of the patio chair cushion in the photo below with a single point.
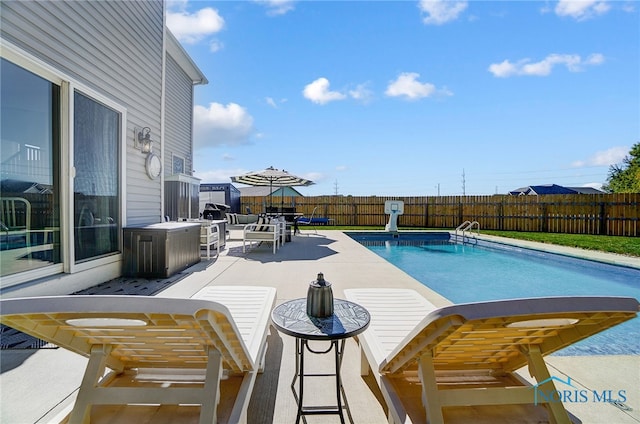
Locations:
(232, 218)
(263, 224)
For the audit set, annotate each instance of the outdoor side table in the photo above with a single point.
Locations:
(349, 319)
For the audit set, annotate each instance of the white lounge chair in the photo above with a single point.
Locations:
(250, 307)
(161, 351)
(433, 363)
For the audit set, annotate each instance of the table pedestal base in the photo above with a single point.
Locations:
(341, 399)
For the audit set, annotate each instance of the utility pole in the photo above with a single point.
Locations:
(438, 187)
(335, 187)
(464, 186)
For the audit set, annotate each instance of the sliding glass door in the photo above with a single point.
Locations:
(60, 191)
(96, 184)
(29, 171)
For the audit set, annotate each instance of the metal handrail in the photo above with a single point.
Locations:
(462, 225)
(467, 226)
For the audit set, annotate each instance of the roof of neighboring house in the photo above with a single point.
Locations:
(264, 191)
(553, 189)
(17, 186)
(586, 190)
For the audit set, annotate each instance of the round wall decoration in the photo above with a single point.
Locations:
(153, 166)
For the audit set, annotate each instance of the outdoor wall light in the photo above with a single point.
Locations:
(142, 139)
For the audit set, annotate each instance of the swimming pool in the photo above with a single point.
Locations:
(491, 271)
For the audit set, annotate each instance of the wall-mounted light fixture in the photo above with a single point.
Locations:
(142, 139)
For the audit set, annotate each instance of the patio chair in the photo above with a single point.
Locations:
(264, 230)
(15, 223)
(458, 361)
(166, 356)
(209, 236)
(306, 221)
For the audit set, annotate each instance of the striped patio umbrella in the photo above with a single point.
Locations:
(271, 177)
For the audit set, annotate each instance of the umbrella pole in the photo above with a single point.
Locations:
(271, 194)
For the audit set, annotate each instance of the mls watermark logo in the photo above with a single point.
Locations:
(566, 392)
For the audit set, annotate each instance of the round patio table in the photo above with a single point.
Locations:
(349, 319)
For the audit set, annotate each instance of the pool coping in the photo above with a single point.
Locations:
(573, 252)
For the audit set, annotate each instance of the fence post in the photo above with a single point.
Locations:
(426, 212)
(354, 213)
(602, 221)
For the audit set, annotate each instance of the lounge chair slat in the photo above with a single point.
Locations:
(131, 334)
(456, 346)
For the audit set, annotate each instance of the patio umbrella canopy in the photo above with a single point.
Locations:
(271, 177)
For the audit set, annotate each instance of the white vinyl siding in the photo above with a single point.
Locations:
(178, 113)
(116, 49)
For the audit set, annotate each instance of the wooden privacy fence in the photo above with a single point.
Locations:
(606, 214)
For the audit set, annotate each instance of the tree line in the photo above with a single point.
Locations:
(625, 177)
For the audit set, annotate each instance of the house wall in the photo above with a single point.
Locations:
(115, 48)
(179, 110)
(180, 187)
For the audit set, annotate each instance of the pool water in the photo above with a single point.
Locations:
(491, 271)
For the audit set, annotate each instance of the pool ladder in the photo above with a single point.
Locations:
(467, 226)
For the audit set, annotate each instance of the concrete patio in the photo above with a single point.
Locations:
(39, 386)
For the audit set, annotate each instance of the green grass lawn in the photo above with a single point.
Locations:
(629, 246)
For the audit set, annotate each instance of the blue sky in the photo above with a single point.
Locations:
(409, 98)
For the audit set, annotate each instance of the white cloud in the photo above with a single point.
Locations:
(191, 28)
(277, 7)
(524, 67)
(408, 87)
(341, 168)
(361, 93)
(503, 69)
(581, 9)
(221, 125)
(228, 158)
(215, 45)
(439, 12)
(316, 177)
(318, 92)
(595, 59)
(274, 103)
(607, 157)
(219, 175)
(271, 102)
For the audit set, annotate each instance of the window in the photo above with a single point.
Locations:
(178, 165)
(29, 170)
(96, 183)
